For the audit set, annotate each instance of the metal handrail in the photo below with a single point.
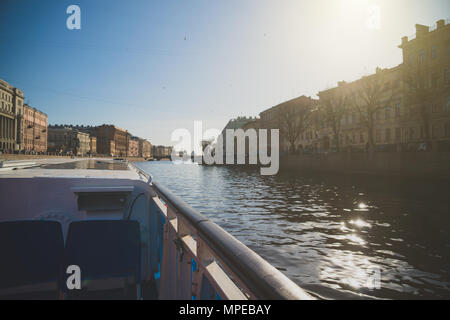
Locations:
(260, 277)
(263, 279)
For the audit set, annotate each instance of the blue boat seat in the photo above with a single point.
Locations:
(30, 259)
(108, 254)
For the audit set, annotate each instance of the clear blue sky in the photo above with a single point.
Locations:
(154, 66)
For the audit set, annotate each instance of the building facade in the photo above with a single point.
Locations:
(133, 147)
(145, 148)
(11, 107)
(84, 143)
(93, 150)
(292, 118)
(34, 130)
(254, 124)
(112, 141)
(161, 151)
(426, 73)
(91, 131)
(410, 103)
(233, 124)
(359, 121)
(68, 141)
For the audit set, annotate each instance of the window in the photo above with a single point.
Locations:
(397, 110)
(434, 80)
(447, 105)
(388, 135)
(434, 52)
(447, 76)
(435, 131)
(447, 129)
(387, 113)
(398, 134)
(422, 132)
(411, 134)
(361, 138)
(421, 56)
(378, 135)
(434, 108)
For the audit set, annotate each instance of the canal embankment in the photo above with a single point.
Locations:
(417, 164)
(15, 157)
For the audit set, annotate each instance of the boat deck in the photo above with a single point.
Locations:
(75, 168)
(130, 235)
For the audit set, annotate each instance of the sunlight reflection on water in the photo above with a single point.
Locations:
(325, 233)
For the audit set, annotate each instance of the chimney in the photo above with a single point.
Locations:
(440, 24)
(404, 40)
(421, 30)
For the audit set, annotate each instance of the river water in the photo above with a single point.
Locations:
(340, 237)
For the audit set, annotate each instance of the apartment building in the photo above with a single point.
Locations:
(161, 151)
(426, 72)
(112, 140)
(93, 150)
(34, 130)
(133, 147)
(145, 148)
(11, 108)
(293, 119)
(396, 109)
(68, 141)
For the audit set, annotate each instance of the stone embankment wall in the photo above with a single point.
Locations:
(417, 164)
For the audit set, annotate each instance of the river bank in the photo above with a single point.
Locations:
(432, 165)
(14, 157)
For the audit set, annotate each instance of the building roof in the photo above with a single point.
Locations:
(300, 99)
(6, 86)
(113, 126)
(425, 31)
(238, 123)
(378, 70)
(36, 110)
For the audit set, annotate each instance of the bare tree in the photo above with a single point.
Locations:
(333, 107)
(419, 94)
(293, 120)
(367, 99)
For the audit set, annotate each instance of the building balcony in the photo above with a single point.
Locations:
(7, 113)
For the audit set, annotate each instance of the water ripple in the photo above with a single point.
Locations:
(328, 234)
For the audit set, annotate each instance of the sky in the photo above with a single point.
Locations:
(155, 66)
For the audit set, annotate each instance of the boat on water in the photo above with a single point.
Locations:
(103, 229)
